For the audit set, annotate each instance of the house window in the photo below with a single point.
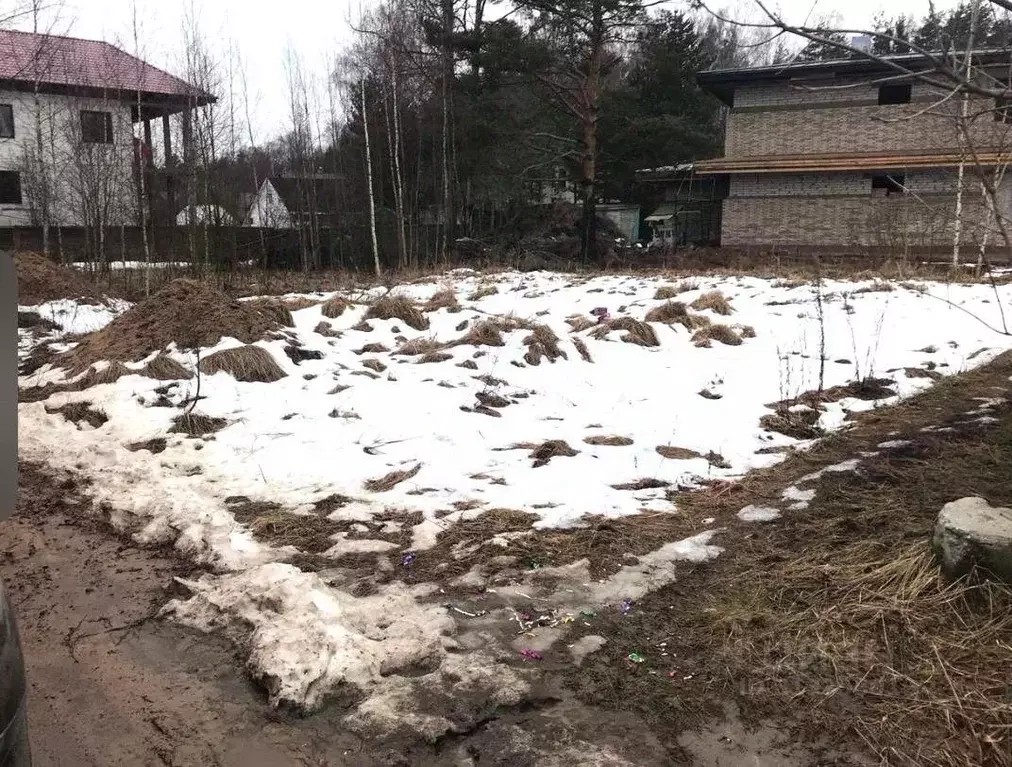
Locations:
(887, 185)
(894, 94)
(6, 121)
(96, 127)
(10, 187)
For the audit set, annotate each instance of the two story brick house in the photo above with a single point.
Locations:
(846, 154)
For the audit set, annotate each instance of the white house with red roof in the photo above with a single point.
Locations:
(76, 129)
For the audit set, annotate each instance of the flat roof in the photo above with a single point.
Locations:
(722, 82)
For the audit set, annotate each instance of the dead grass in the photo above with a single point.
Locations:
(326, 329)
(374, 364)
(41, 279)
(483, 291)
(878, 286)
(251, 364)
(580, 322)
(196, 424)
(419, 346)
(155, 445)
(639, 333)
(267, 522)
(581, 347)
(334, 307)
(716, 332)
(715, 301)
(665, 292)
(402, 308)
(798, 424)
(676, 453)
(550, 449)
(76, 412)
(275, 309)
(391, 480)
(184, 312)
(675, 312)
(163, 368)
(430, 357)
(298, 303)
(373, 348)
(443, 299)
(485, 333)
(608, 439)
(542, 343)
(643, 483)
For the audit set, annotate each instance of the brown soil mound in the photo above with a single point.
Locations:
(186, 312)
(41, 279)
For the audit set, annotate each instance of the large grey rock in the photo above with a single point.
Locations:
(971, 532)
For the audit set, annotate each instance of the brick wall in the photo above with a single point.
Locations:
(820, 210)
(776, 119)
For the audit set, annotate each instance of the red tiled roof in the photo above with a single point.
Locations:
(70, 61)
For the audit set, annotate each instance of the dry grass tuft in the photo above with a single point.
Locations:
(644, 483)
(326, 329)
(878, 286)
(430, 357)
(444, 299)
(298, 303)
(334, 307)
(676, 453)
(275, 309)
(676, 313)
(637, 332)
(665, 292)
(391, 480)
(483, 291)
(607, 439)
(374, 348)
(252, 364)
(542, 342)
(164, 368)
(715, 301)
(267, 522)
(581, 347)
(374, 364)
(485, 333)
(746, 331)
(419, 346)
(398, 307)
(550, 449)
(468, 365)
(107, 375)
(600, 333)
(580, 322)
(155, 445)
(196, 424)
(717, 332)
(75, 412)
(799, 424)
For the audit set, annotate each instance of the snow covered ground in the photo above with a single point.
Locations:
(334, 423)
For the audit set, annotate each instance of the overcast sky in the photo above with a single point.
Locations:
(262, 30)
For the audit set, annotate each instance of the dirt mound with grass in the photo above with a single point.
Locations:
(251, 364)
(41, 279)
(444, 299)
(185, 312)
(334, 307)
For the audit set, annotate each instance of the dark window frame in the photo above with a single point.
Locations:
(92, 133)
(888, 184)
(894, 93)
(10, 182)
(9, 108)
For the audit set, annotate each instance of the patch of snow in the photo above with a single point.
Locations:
(894, 443)
(758, 514)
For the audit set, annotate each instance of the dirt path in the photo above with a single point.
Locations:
(107, 686)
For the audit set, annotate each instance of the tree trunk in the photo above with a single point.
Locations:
(368, 174)
(588, 164)
(448, 212)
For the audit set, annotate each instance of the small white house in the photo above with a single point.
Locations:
(287, 202)
(70, 150)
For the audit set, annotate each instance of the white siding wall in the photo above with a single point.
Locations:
(87, 182)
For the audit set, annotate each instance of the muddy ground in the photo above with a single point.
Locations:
(111, 684)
